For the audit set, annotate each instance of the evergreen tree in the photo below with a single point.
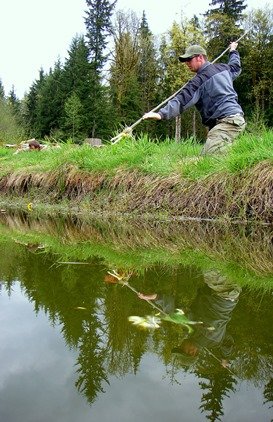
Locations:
(255, 88)
(77, 68)
(31, 105)
(77, 81)
(15, 106)
(50, 102)
(124, 77)
(98, 25)
(268, 393)
(2, 91)
(73, 110)
(215, 386)
(14, 102)
(222, 23)
(148, 66)
(232, 8)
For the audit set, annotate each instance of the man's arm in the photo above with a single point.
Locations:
(234, 60)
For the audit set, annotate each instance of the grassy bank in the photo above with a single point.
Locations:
(145, 177)
(242, 254)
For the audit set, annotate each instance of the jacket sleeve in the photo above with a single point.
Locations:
(186, 98)
(234, 64)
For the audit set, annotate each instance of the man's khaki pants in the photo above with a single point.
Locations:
(221, 136)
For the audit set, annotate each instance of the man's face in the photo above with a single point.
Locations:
(189, 348)
(194, 63)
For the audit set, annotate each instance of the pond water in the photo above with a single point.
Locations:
(70, 349)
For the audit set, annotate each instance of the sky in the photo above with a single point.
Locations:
(35, 33)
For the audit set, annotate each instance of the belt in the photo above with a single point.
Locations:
(230, 115)
(237, 114)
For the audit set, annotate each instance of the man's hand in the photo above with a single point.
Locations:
(233, 45)
(151, 115)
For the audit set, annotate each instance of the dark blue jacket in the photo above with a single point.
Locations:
(211, 90)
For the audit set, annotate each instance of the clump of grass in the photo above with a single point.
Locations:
(146, 156)
(127, 154)
(167, 157)
(249, 150)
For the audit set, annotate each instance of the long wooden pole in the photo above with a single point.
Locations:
(129, 129)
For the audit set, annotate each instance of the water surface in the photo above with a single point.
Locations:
(69, 352)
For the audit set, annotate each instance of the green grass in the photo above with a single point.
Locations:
(146, 156)
(138, 257)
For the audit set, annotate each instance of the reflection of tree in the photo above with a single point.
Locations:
(252, 327)
(216, 383)
(92, 355)
(125, 346)
(106, 342)
(60, 291)
(268, 393)
(207, 349)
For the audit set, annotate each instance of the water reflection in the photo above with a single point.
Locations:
(233, 344)
(209, 352)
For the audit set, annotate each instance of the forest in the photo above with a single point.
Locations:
(119, 69)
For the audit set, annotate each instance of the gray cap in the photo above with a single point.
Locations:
(191, 51)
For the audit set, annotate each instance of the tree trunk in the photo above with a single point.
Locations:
(178, 128)
(194, 123)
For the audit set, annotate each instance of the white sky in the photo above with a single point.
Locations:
(35, 33)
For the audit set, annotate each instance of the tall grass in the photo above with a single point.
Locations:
(146, 156)
(243, 256)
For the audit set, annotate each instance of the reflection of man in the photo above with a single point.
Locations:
(213, 306)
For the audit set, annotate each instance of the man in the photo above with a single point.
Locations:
(211, 90)
(214, 306)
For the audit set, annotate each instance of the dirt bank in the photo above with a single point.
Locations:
(247, 196)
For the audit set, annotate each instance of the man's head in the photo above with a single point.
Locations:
(187, 352)
(194, 57)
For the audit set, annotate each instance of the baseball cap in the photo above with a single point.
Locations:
(191, 51)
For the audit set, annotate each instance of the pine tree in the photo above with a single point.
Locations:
(255, 88)
(98, 25)
(73, 111)
(31, 105)
(222, 23)
(14, 105)
(2, 91)
(231, 8)
(13, 101)
(124, 82)
(148, 67)
(77, 80)
(50, 102)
